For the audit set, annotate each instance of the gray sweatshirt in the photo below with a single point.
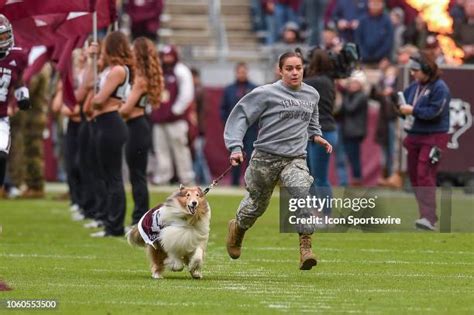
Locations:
(286, 118)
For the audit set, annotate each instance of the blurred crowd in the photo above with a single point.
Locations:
(379, 27)
(170, 138)
(387, 34)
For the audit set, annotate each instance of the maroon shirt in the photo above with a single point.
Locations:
(11, 70)
(164, 114)
(145, 11)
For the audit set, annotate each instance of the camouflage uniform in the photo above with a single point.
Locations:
(16, 165)
(35, 122)
(26, 160)
(261, 177)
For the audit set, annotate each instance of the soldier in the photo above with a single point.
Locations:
(26, 161)
(12, 63)
(287, 112)
(35, 122)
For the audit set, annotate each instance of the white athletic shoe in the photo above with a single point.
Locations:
(14, 193)
(98, 234)
(74, 208)
(424, 224)
(77, 216)
(93, 224)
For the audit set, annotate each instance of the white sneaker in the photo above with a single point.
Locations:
(14, 193)
(98, 234)
(74, 208)
(77, 216)
(93, 224)
(424, 224)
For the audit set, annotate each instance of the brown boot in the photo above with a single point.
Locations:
(307, 258)
(235, 235)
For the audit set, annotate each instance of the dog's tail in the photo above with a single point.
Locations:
(134, 238)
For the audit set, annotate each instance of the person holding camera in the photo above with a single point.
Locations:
(320, 75)
(427, 124)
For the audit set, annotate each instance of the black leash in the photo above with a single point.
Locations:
(218, 179)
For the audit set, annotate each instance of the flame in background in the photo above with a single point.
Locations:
(435, 14)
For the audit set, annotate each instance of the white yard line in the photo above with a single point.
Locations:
(392, 275)
(374, 250)
(142, 303)
(369, 262)
(231, 285)
(47, 256)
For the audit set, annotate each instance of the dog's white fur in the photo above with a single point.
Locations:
(183, 240)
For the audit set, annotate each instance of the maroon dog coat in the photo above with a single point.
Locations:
(150, 226)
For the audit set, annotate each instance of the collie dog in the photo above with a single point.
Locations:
(175, 233)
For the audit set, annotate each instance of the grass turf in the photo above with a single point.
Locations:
(44, 255)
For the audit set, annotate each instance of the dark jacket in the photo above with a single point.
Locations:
(232, 94)
(354, 115)
(464, 35)
(374, 37)
(200, 108)
(327, 93)
(348, 10)
(431, 111)
(457, 13)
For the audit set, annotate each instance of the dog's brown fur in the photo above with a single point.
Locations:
(178, 246)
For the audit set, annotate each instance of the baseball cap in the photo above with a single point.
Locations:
(413, 64)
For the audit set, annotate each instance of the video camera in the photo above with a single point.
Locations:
(345, 61)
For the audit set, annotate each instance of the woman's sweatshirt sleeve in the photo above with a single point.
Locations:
(245, 113)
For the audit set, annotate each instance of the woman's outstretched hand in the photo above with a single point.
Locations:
(322, 142)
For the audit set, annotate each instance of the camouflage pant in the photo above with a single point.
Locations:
(26, 161)
(16, 169)
(35, 122)
(261, 177)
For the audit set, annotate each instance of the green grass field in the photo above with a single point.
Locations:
(44, 255)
